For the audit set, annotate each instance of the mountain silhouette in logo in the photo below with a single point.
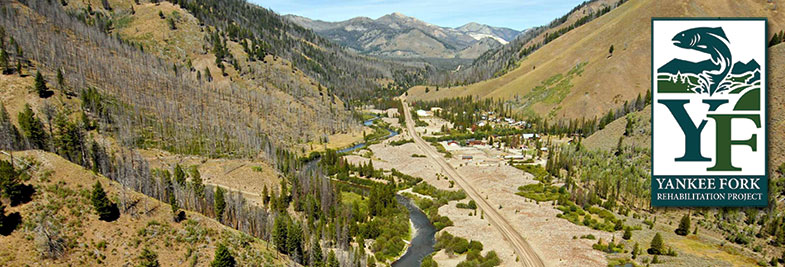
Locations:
(719, 74)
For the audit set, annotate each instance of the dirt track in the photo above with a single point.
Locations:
(527, 255)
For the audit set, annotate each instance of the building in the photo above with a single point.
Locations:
(423, 113)
(530, 136)
(435, 109)
(467, 157)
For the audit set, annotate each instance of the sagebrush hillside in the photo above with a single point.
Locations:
(608, 78)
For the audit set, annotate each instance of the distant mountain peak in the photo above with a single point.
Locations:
(399, 35)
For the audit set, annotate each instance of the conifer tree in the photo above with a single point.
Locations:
(684, 225)
(4, 61)
(40, 85)
(219, 203)
(627, 233)
(223, 257)
(107, 211)
(179, 175)
(332, 261)
(9, 135)
(196, 181)
(280, 229)
(32, 128)
(657, 246)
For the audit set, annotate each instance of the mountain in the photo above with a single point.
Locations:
(399, 36)
(589, 80)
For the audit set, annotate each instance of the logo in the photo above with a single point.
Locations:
(709, 112)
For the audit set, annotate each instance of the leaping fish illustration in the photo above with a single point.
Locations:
(711, 41)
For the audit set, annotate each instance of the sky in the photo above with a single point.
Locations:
(514, 14)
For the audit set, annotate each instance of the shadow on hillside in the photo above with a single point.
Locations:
(113, 214)
(23, 193)
(10, 223)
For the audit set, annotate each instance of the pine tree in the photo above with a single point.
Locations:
(220, 203)
(265, 195)
(40, 85)
(657, 246)
(179, 175)
(106, 209)
(148, 258)
(636, 250)
(332, 261)
(32, 128)
(4, 65)
(9, 135)
(627, 233)
(315, 253)
(279, 234)
(684, 225)
(60, 79)
(294, 238)
(196, 182)
(223, 257)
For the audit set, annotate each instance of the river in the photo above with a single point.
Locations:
(361, 145)
(423, 241)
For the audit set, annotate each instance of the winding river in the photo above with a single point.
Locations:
(423, 241)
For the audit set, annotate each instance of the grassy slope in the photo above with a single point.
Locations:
(607, 81)
(70, 205)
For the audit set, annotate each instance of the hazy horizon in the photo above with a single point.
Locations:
(449, 13)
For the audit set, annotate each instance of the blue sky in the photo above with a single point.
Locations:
(515, 14)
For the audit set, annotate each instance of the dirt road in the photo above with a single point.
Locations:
(526, 255)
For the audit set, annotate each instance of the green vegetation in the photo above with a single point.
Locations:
(401, 142)
(223, 257)
(457, 245)
(148, 258)
(541, 192)
(610, 247)
(431, 207)
(657, 245)
(552, 90)
(684, 225)
(472, 205)
(107, 211)
(440, 148)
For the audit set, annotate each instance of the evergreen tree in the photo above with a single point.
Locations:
(9, 135)
(68, 140)
(294, 239)
(627, 233)
(265, 195)
(223, 257)
(107, 211)
(280, 229)
(196, 182)
(657, 245)
(636, 250)
(332, 261)
(684, 225)
(148, 258)
(32, 128)
(315, 253)
(9, 178)
(220, 203)
(40, 85)
(179, 175)
(4, 65)
(60, 79)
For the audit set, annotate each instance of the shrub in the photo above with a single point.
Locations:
(684, 225)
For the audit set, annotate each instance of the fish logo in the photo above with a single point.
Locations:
(711, 41)
(709, 112)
